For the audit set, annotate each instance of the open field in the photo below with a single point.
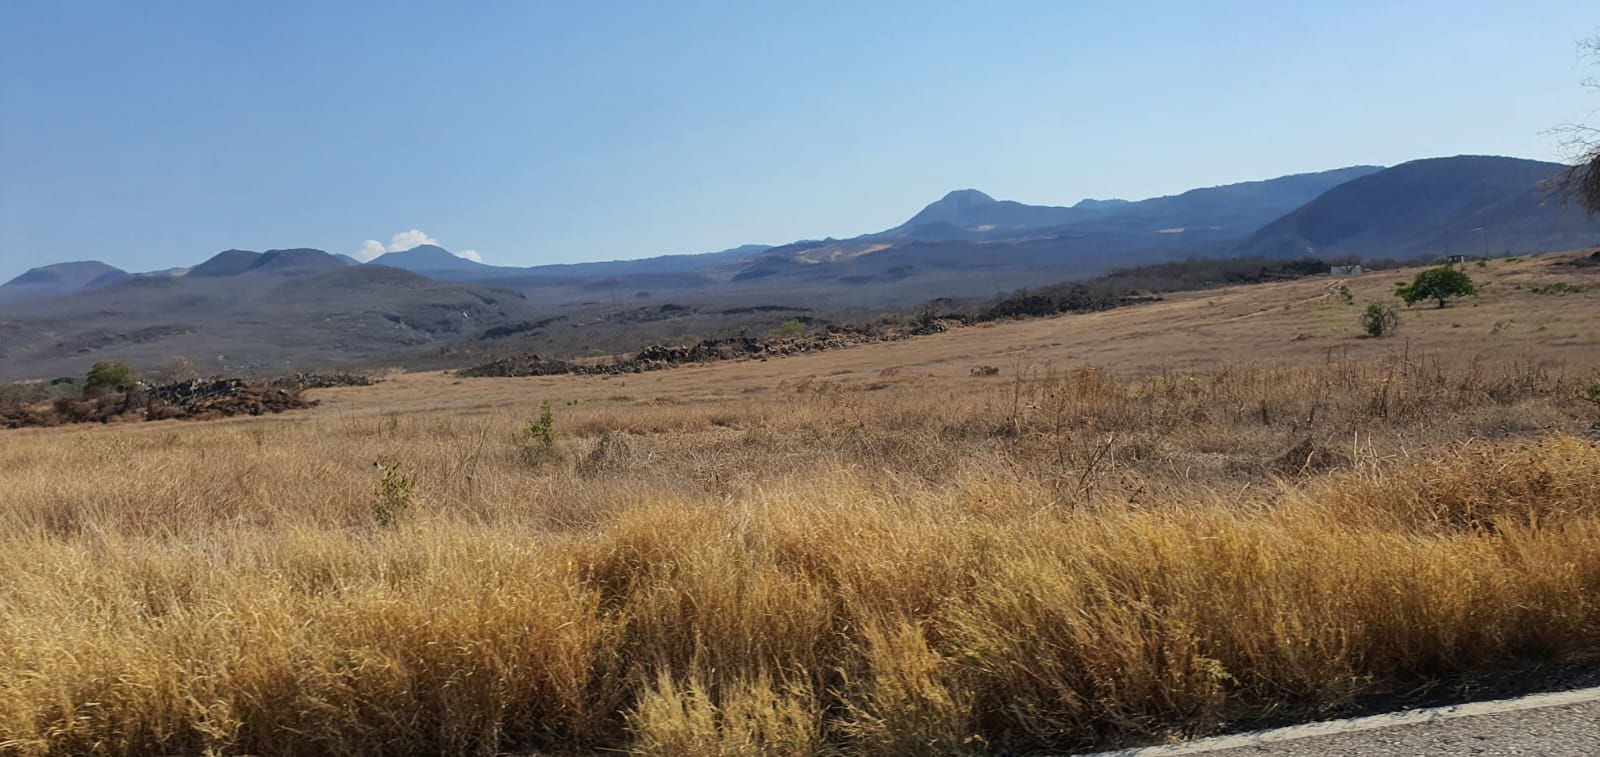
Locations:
(1152, 522)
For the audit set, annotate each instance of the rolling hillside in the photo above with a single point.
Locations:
(1463, 205)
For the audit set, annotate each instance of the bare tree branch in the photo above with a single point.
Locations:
(1581, 145)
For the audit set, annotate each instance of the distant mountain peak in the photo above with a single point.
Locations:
(970, 213)
(426, 258)
(1089, 203)
(955, 208)
(429, 252)
(967, 197)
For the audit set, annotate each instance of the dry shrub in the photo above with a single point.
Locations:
(907, 698)
(685, 719)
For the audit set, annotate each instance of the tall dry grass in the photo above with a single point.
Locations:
(1063, 559)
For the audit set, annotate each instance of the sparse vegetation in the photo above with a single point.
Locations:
(1143, 284)
(1589, 389)
(1558, 288)
(175, 369)
(788, 330)
(1442, 284)
(1380, 320)
(536, 442)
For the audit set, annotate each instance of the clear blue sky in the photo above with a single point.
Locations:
(153, 134)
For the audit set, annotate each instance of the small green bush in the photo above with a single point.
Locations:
(1380, 320)
(393, 499)
(111, 374)
(1589, 389)
(536, 443)
(788, 330)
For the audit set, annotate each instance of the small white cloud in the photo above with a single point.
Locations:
(370, 249)
(471, 255)
(406, 240)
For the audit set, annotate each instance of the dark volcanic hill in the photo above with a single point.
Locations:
(59, 279)
(295, 262)
(431, 259)
(1467, 204)
(969, 210)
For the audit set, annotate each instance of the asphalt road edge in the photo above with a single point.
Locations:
(1354, 725)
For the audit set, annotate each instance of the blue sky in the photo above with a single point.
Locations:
(154, 134)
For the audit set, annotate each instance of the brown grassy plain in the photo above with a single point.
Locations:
(1153, 523)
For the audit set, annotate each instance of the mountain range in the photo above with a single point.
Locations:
(265, 311)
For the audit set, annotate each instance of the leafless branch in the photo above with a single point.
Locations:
(1581, 146)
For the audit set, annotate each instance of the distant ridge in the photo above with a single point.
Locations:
(59, 279)
(1236, 209)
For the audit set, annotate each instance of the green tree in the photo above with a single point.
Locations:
(112, 374)
(1440, 284)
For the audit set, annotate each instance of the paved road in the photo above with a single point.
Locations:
(1549, 724)
(1570, 730)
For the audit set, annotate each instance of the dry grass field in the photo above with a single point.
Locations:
(1152, 523)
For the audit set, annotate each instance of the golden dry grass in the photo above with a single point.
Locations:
(763, 558)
